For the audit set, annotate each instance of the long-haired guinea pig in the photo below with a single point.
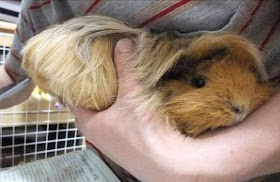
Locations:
(197, 84)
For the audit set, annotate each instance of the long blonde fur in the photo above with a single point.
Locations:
(74, 60)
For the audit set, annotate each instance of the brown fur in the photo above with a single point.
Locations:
(74, 61)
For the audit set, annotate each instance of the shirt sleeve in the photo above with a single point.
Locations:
(13, 61)
(34, 17)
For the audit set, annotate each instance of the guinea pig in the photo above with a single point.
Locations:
(194, 84)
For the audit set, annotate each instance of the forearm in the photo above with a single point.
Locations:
(267, 143)
(251, 148)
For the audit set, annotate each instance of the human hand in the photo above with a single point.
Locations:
(152, 151)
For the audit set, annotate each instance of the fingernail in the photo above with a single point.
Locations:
(124, 46)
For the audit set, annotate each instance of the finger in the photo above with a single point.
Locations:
(124, 52)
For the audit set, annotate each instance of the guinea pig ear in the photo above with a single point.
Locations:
(238, 47)
(207, 46)
(215, 53)
(245, 51)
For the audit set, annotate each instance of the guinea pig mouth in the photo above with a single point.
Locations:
(237, 119)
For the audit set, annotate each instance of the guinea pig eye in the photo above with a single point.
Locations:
(199, 81)
(253, 70)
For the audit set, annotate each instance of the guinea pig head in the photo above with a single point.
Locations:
(217, 82)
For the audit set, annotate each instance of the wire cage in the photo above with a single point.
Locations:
(38, 128)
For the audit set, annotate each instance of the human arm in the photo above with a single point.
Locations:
(151, 151)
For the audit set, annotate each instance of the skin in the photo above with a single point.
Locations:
(152, 151)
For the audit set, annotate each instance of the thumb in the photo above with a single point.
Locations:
(123, 54)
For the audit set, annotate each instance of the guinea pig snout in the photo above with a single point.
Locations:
(240, 111)
(237, 109)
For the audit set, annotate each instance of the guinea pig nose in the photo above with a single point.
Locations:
(237, 109)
